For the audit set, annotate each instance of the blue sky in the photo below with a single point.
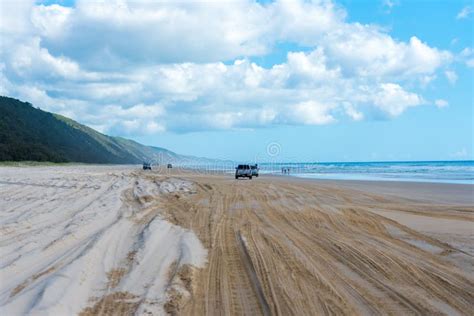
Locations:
(324, 80)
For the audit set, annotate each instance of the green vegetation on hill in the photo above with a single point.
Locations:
(27, 133)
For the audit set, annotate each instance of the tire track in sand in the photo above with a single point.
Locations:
(311, 248)
(229, 280)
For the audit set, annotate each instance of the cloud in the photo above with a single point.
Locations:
(451, 76)
(440, 103)
(139, 119)
(464, 13)
(15, 17)
(352, 112)
(303, 22)
(467, 55)
(310, 113)
(104, 35)
(394, 100)
(30, 61)
(365, 51)
(51, 21)
(142, 67)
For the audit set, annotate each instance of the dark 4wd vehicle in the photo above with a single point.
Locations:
(243, 171)
(146, 166)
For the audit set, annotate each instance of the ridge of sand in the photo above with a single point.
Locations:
(88, 240)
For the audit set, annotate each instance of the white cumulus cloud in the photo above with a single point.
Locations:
(143, 67)
(394, 100)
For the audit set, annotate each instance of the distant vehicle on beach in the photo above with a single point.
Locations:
(146, 166)
(254, 169)
(169, 166)
(243, 171)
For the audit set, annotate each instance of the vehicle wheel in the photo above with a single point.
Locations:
(250, 177)
(256, 176)
(236, 177)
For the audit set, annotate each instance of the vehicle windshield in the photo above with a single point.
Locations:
(243, 167)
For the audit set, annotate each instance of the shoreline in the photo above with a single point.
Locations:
(364, 177)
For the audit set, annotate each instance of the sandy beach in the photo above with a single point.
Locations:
(102, 240)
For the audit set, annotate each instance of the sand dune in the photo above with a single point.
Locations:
(102, 240)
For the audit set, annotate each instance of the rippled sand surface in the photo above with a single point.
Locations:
(97, 240)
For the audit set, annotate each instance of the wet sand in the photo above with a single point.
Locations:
(273, 245)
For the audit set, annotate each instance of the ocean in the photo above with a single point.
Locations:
(422, 171)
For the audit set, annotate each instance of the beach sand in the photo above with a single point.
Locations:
(97, 240)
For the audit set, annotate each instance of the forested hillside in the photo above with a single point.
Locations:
(28, 133)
